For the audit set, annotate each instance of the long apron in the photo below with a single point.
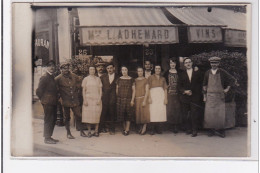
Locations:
(215, 104)
(157, 108)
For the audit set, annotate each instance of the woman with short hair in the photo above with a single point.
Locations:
(125, 90)
(92, 105)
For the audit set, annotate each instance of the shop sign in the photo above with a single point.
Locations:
(128, 35)
(204, 34)
(235, 38)
(40, 42)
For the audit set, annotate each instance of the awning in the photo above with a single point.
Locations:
(205, 26)
(125, 25)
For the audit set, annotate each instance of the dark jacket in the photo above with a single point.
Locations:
(108, 90)
(69, 87)
(195, 86)
(47, 90)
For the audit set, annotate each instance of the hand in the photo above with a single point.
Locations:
(165, 101)
(132, 103)
(85, 103)
(98, 102)
(143, 104)
(188, 92)
(226, 90)
(196, 68)
(150, 101)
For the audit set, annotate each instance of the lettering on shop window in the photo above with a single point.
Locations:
(39, 42)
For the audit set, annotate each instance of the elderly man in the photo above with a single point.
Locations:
(48, 94)
(216, 84)
(69, 88)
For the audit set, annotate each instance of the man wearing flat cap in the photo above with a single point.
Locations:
(69, 87)
(100, 67)
(48, 95)
(216, 85)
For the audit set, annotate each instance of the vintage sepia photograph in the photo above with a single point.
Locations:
(157, 80)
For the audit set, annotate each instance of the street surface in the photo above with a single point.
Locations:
(135, 145)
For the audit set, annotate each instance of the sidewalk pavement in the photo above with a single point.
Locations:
(135, 145)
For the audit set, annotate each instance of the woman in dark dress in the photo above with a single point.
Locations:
(173, 106)
(125, 90)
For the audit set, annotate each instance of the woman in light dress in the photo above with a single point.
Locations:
(141, 101)
(92, 105)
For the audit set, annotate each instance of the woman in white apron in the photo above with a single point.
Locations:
(157, 100)
(216, 84)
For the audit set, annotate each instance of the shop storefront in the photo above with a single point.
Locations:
(129, 35)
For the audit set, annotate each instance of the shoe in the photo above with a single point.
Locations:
(82, 133)
(89, 135)
(158, 131)
(126, 133)
(49, 141)
(152, 132)
(143, 133)
(188, 132)
(211, 133)
(194, 134)
(112, 132)
(69, 135)
(96, 134)
(220, 133)
(55, 140)
(175, 130)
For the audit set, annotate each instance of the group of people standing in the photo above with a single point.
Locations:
(148, 100)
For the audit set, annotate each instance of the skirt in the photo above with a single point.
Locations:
(91, 113)
(142, 113)
(173, 109)
(125, 111)
(157, 108)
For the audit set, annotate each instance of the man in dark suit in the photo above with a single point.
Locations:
(190, 90)
(109, 98)
(48, 95)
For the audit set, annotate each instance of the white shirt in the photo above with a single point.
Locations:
(111, 77)
(214, 71)
(189, 72)
(147, 74)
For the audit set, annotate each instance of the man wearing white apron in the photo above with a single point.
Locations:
(216, 84)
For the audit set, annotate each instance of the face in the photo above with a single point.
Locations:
(172, 64)
(157, 70)
(140, 72)
(100, 69)
(147, 65)
(110, 69)
(214, 65)
(92, 70)
(188, 63)
(65, 70)
(124, 71)
(51, 68)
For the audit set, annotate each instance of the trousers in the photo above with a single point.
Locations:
(77, 115)
(50, 117)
